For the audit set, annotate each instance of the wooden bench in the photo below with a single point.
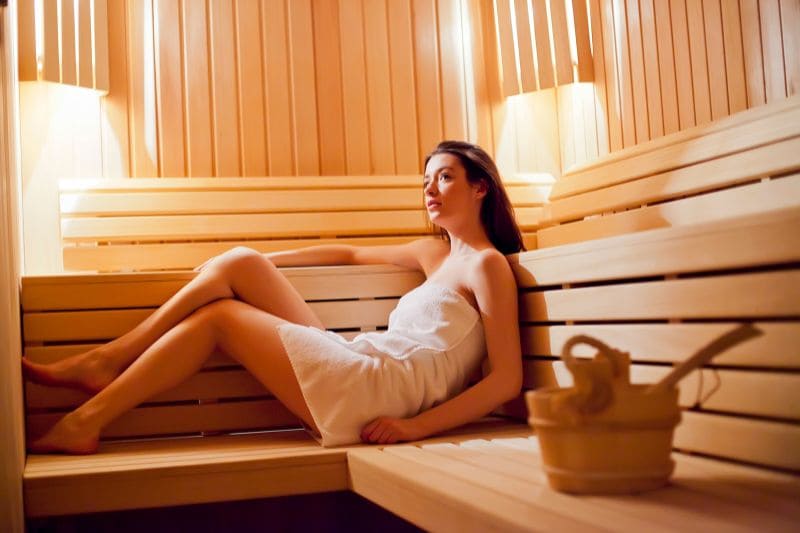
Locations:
(659, 293)
(149, 224)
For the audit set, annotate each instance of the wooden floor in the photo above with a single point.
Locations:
(498, 484)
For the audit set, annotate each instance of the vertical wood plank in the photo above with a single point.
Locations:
(426, 55)
(717, 82)
(280, 126)
(753, 59)
(141, 90)
(84, 52)
(379, 89)
(403, 91)
(666, 67)
(772, 45)
(525, 125)
(790, 30)
(100, 29)
(169, 90)
(612, 80)
(26, 41)
(527, 66)
(600, 103)
(591, 146)
(624, 75)
(197, 96)
(511, 82)
(598, 56)
(69, 72)
(252, 119)
(354, 87)
(477, 84)
(583, 47)
(224, 89)
(640, 88)
(51, 65)
(454, 110)
(116, 146)
(544, 55)
(301, 55)
(683, 64)
(558, 20)
(327, 59)
(566, 125)
(697, 51)
(734, 56)
(651, 68)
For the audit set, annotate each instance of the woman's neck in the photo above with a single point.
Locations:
(468, 241)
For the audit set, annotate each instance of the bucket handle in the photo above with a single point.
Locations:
(593, 391)
(618, 359)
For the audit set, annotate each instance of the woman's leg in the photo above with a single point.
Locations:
(240, 273)
(242, 331)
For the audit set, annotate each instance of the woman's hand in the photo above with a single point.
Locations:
(388, 430)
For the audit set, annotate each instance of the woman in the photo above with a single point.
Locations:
(413, 376)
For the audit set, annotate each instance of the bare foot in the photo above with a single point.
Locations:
(89, 372)
(68, 436)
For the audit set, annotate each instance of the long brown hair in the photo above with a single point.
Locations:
(497, 216)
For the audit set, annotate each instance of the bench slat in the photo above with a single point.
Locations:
(248, 201)
(254, 226)
(763, 239)
(770, 129)
(776, 348)
(97, 325)
(760, 162)
(209, 385)
(766, 394)
(756, 441)
(135, 290)
(186, 419)
(770, 294)
(772, 195)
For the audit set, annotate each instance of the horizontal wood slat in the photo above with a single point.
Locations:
(760, 197)
(211, 385)
(756, 441)
(109, 324)
(186, 419)
(122, 291)
(764, 394)
(254, 226)
(773, 294)
(760, 162)
(671, 343)
(762, 239)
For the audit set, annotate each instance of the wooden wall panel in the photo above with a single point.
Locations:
(291, 87)
(665, 66)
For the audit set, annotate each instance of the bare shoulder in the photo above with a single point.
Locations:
(489, 273)
(430, 252)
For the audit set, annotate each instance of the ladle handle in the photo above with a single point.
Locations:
(717, 346)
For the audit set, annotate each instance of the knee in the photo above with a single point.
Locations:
(242, 258)
(215, 315)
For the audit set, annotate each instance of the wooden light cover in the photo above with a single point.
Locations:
(542, 43)
(64, 41)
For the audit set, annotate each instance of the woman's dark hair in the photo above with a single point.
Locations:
(497, 216)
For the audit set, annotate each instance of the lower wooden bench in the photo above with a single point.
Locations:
(498, 485)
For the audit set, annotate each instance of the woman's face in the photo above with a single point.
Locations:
(448, 192)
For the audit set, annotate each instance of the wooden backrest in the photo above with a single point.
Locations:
(745, 163)
(67, 314)
(177, 223)
(663, 294)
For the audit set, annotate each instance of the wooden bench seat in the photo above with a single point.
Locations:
(499, 485)
(177, 223)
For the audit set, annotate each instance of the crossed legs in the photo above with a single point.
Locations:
(173, 343)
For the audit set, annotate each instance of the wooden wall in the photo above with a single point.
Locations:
(12, 446)
(663, 66)
(290, 87)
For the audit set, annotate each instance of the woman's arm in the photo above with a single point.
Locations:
(496, 294)
(409, 255)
